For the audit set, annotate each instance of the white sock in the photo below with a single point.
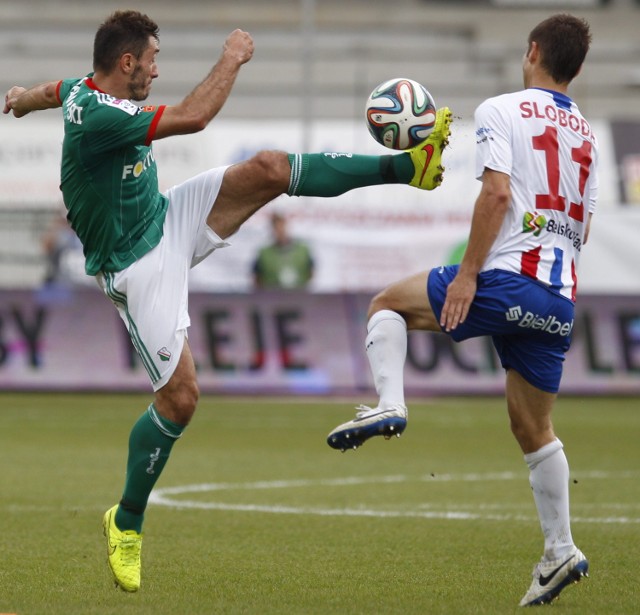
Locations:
(549, 480)
(386, 347)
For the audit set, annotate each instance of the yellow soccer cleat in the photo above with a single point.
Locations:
(427, 156)
(123, 550)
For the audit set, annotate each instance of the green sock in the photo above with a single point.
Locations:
(334, 174)
(150, 443)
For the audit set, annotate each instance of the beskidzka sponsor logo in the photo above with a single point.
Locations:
(529, 320)
(565, 230)
(534, 222)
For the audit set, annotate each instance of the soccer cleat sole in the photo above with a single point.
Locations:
(353, 437)
(580, 571)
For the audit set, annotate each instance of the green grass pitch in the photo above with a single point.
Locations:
(256, 514)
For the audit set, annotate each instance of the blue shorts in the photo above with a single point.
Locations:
(530, 325)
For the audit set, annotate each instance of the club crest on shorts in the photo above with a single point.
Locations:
(164, 354)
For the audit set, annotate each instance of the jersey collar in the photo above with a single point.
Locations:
(561, 100)
(91, 84)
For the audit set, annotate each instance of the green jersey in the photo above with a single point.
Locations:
(109, 179)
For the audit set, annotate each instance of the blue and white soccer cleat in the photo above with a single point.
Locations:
(369, 422)
(550, 578)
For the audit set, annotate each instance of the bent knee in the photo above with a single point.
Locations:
(378, 303)
(273, 167)
(409, 302)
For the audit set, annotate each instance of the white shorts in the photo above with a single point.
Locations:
(151, 295)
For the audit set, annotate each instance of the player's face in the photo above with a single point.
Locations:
(145, 71)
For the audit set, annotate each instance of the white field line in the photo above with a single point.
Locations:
(165, 497)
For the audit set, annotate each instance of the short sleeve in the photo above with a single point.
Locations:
(493, 139)
(118, 123)
(64, 87)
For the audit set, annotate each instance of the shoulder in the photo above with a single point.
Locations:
(105, 103)
(502, 104)
(69, 88)
(104, 112)
(118, 105)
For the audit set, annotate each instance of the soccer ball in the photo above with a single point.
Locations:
(400, 113)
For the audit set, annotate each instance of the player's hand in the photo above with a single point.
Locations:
(460, 294)
(9, 100)
(239, 45)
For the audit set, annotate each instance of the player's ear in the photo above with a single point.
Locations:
(127, 63)
(533, 53)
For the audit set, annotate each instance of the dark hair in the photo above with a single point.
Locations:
(563, 41)
(123, 32)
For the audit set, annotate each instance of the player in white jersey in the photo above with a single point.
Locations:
(536, 158)
(541, 141)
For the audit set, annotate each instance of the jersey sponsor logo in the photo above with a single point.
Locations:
(533, 222)
(137, 169)
(565, 230)
(529, 320)
(118, 103)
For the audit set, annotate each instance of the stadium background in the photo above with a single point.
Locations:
(315, 63)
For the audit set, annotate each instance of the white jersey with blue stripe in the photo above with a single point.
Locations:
(541, 140)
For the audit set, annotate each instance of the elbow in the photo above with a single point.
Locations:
(500, 197)
(496, 189)
(201, 125)
(51, 94)
(198, 123)
(503, 199)
(191, 125)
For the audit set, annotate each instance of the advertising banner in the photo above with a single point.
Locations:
(266, 343)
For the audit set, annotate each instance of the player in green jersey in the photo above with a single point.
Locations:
(140, 243)
(285, 263)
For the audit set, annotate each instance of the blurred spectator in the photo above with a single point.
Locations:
(286, 263)
(61, 248)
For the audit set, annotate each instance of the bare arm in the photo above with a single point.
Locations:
(205, 101)
(587, 229)
(22, 101)
(488, 214)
